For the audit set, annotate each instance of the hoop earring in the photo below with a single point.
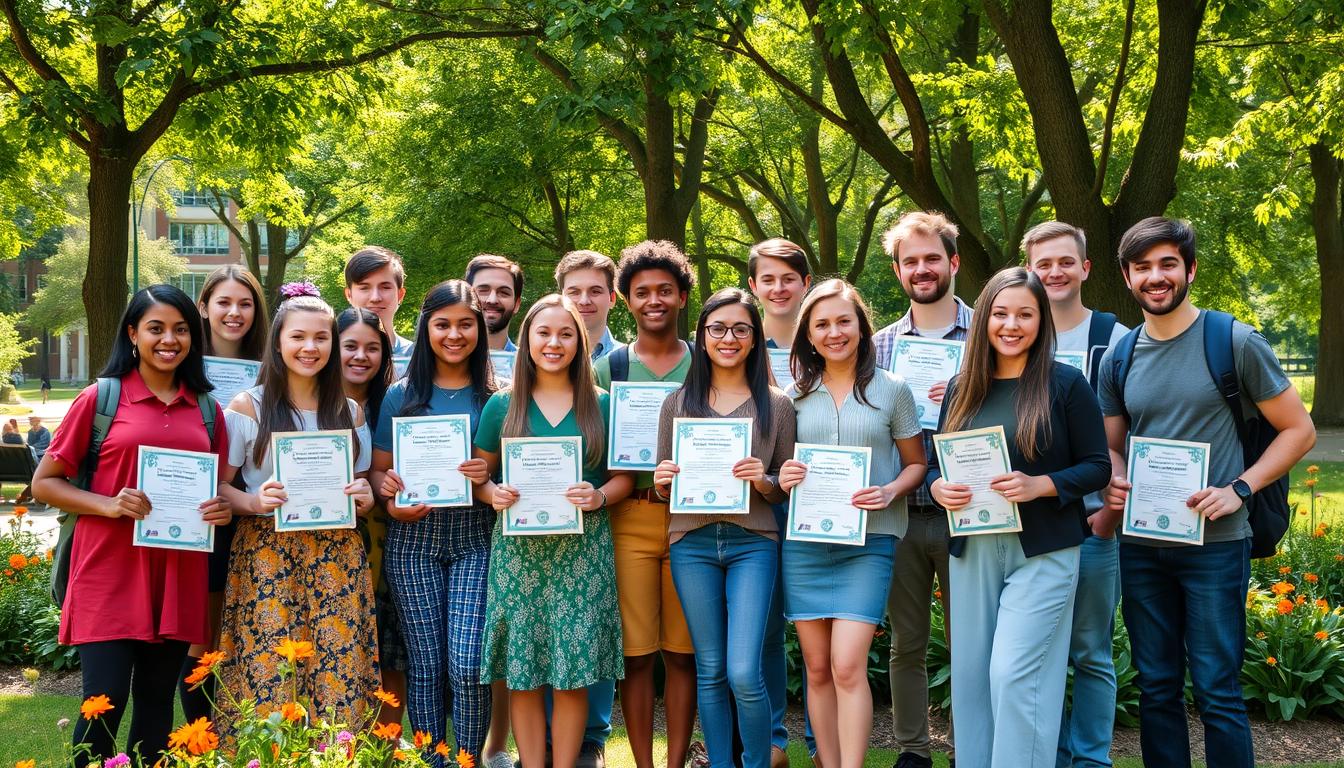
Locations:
(135, 353)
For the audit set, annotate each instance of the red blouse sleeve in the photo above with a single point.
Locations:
(70, 445)
(221, 445)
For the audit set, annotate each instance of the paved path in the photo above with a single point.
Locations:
(1329, 445)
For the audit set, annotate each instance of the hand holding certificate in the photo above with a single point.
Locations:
(821, 506)
(974, 459)
(925, 363)
(1163, 475)
(315, 471)
(426, 454)
(705, 453)
(539, 477)
(180, 485)
(632, 431)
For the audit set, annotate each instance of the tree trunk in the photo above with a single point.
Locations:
(824, 213)
(277, 259)
(111, 174)
(661, 219)
(1327, 223)
(559, 216)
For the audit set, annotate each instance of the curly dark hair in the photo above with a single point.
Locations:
(654, 254)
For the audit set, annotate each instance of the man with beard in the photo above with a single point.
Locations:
(923, 249)
(1185, 605)
(498, 283)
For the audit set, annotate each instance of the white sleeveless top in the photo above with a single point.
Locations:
(243, 439)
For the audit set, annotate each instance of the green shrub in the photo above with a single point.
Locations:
(1294, 654)
(28, 620)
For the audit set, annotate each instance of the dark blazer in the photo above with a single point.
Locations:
(1076, 458)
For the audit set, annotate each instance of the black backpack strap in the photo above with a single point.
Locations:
(1098, 341)
(1222, 364)
(619, 363)
(207, 403)
(1122, 359)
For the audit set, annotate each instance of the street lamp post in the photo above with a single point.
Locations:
(135, 220)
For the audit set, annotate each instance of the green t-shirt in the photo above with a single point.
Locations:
(492, 420)
(602, 372)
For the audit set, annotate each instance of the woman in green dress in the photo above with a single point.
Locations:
(552, 619)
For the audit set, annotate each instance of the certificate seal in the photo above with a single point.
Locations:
(175, 531)
(645, 454)
(1163, 522)
(315, 513)
(542, 517)
(984, 515)
(710, 496)
(432, 490)
(827, 525)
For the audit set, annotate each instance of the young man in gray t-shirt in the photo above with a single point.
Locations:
(1185, 606)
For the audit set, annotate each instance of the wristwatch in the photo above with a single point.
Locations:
(1242, 490)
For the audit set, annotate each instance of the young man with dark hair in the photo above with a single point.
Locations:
(498, 283)
(1057, 253)
(588, 279)
(1185, 605)
(779, 275)
(923, 250)
(375, 280)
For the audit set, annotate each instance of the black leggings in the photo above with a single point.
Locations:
(120, 669)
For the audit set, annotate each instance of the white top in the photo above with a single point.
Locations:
(243, 438)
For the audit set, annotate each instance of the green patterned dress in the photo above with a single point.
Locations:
(551, 614)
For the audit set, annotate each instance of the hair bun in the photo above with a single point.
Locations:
(300, 288)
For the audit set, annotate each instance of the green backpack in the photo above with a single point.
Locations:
(105, 410)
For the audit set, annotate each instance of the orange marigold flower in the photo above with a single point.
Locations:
(211, 658)
(9, 572)
(465, 759)
(442, 750)
(1271, 661)
(1313, 469)
(1282, 588)
(1285, 606)
(1339, 558)
(388, 731)
(1301, 599)
(1322, 635)
(17, 562)
(422, 739)
(1287, 569)
(1311, 577)
(26, 764)
(398, 755)
(1310, 482)
(293, 650)
(293, 712)
(390, 699)
(1259, 635)
(198, 676)
(195, 737)
(94, 706)
(1322, 604)
(20, 511)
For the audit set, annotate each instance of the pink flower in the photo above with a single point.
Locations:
(254, 763)
(120, 761)
(344, 737)
(300, 288)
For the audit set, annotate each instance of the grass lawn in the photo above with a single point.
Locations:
(1329, 491)
(31, 392)
(1306, 387)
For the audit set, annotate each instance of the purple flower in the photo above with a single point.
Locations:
(345, 737)
(321, 747)
(300, 288)
(120, 761)
(254, 763)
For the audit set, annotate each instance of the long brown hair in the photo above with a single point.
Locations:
(808, 361)
(277, 412)
(1032, 402)
(253, 344)
(586, 410)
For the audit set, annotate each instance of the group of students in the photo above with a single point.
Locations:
(530, 634)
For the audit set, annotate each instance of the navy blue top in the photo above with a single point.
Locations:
(442, 402)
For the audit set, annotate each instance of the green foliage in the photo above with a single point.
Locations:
(60, 304)
(13, 349)
(28, 621)
(1294, 656)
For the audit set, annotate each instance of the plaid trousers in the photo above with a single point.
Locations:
(437, 568)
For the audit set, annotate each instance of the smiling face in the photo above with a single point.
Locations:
(655, 300)
(1061, 268)
(379, 293)
(553, 340)
(1014, 321)
(1158, 279)
(729, 351)
(924, 268)
(305, 342)
(833, 329)
(494, 288)
(453, 333)
(588, 290)
(162, 338)
(778, 287)
(361, 353)
(230, 311)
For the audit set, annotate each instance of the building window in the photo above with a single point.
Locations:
(21, 286)
(190, 239)
(191, 283)
(191, 196)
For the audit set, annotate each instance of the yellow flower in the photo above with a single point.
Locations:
(26, 764)
(195, 737)
(292, 712)
(388, 731)
(465, 759)
(31, 675)
(1271, 661)
(293, 651)
(1282, 588)
(94, 706)
(1285, 606)
(1322, 635)
(389, 699)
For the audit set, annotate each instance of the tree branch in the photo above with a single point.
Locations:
(1116, 88)
(745, 48)
(875, 206)
(619, 130)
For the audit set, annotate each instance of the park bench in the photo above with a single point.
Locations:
(17, 464)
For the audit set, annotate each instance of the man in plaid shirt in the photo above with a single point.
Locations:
(923, 249)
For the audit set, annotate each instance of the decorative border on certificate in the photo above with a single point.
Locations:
(620, 391)
(249, 370)
(1076, 359)
(862, 456)
(400, 365)
(512, 448)
(1199, 454)
(780, 367)
(447, 493)
(945, 445)
(683, 427)
(954, 349)
(283, 442)
(144, 537)
(502, 362)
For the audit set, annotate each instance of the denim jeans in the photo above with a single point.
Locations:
(725, 576)
(775, 662)
(1187, 606)
(1086, 729)
(1011, 621)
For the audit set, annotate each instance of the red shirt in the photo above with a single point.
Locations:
(118, 591)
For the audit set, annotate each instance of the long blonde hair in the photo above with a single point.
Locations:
(586, 410)
(1032, 402)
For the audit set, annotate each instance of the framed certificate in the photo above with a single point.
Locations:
(705, 451)
(541, 469)
(230, 377)
(314, 467)
(503, 363)
(819, 508)
(400, 365)
(779, 368)
(1162, 475)
(923, 363)
(426, 451)
(177, 483)
(1076, 359)
(973, 458)
(632, 429)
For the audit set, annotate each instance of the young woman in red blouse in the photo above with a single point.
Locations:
(132, 611)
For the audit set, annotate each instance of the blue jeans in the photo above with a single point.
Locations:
(601, 696)
(725, 576)
(1187, 605)
(775, 661)
(1086, 729)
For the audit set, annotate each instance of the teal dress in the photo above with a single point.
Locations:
(551, 615)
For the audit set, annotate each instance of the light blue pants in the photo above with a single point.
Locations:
(1010, 649)
(1086, 729)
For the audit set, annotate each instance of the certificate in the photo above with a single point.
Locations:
(426, 451)
(541, 469)
(923, 363)
(1076, 359)
(230, 377)
(779, 367)
(503, 363)
(705, 451)
(819, 508)
(314, 467)
(177, 483)
(1163, 474)
(973, 458)
(400, 365)
(632, 429)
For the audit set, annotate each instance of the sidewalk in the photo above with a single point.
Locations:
(1329, 445)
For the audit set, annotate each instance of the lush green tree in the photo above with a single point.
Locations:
(13, 348)
(57, 305)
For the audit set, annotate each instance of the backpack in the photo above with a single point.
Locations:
(1098, 341)
(1268, 507)
(105, 410)
(619, 362)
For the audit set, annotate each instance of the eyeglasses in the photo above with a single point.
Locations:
(719, 330)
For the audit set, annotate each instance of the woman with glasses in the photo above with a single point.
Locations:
(724, 566)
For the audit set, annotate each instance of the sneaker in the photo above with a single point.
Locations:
(499, 760)
(591, 755)
(697, 756)
(912, 760)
